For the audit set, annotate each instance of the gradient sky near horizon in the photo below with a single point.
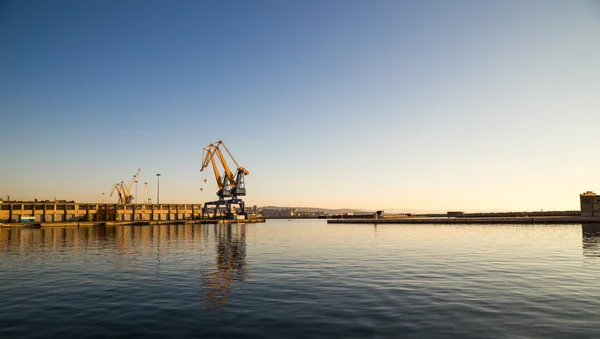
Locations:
(395, 105)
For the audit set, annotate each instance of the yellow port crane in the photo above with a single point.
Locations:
(231, 185)
(124, 192)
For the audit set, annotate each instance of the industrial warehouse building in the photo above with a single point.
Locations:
(63, 212)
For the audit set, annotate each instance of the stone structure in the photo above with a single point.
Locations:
(590, 204)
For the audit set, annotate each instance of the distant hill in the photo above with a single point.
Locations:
(310, 209)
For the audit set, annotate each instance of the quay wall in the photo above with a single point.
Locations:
(86, 212)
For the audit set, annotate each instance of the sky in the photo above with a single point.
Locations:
(394, 105)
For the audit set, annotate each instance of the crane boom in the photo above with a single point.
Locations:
(116, 188)
(227, 170)
(235, 162)
(208, 157)
(135, 176)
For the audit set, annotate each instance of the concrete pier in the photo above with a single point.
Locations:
(589, 214)
(471, 220)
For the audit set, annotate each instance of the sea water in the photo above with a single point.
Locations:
(301, 279)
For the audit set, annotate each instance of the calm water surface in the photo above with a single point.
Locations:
(301, 279)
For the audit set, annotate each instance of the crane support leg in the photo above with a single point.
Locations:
(213, 209)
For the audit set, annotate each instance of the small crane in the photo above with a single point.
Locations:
(124, 192)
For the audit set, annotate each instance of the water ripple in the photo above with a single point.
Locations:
(300, 279)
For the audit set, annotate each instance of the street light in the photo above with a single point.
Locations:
(158, 188)
(103, 198)
(146, 189)
(136, 201)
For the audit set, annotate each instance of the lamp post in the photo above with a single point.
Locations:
(158, 188)
(103, 198)
(136, 201)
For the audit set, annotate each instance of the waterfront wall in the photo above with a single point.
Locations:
(485, 220)
(64, 212)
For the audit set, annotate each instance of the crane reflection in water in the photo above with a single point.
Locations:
(230, 264)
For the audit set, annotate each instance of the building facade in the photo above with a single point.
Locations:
(65, 212)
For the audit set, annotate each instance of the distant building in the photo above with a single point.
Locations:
(590, 204)
(290, 213)
(278, 213)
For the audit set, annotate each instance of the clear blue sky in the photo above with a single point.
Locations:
(396, 105)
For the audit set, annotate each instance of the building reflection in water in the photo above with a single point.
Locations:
(591, 240)
(230, 264)
(52, 238)
(222, 249)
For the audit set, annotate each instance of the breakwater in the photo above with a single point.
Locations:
(473, 220)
